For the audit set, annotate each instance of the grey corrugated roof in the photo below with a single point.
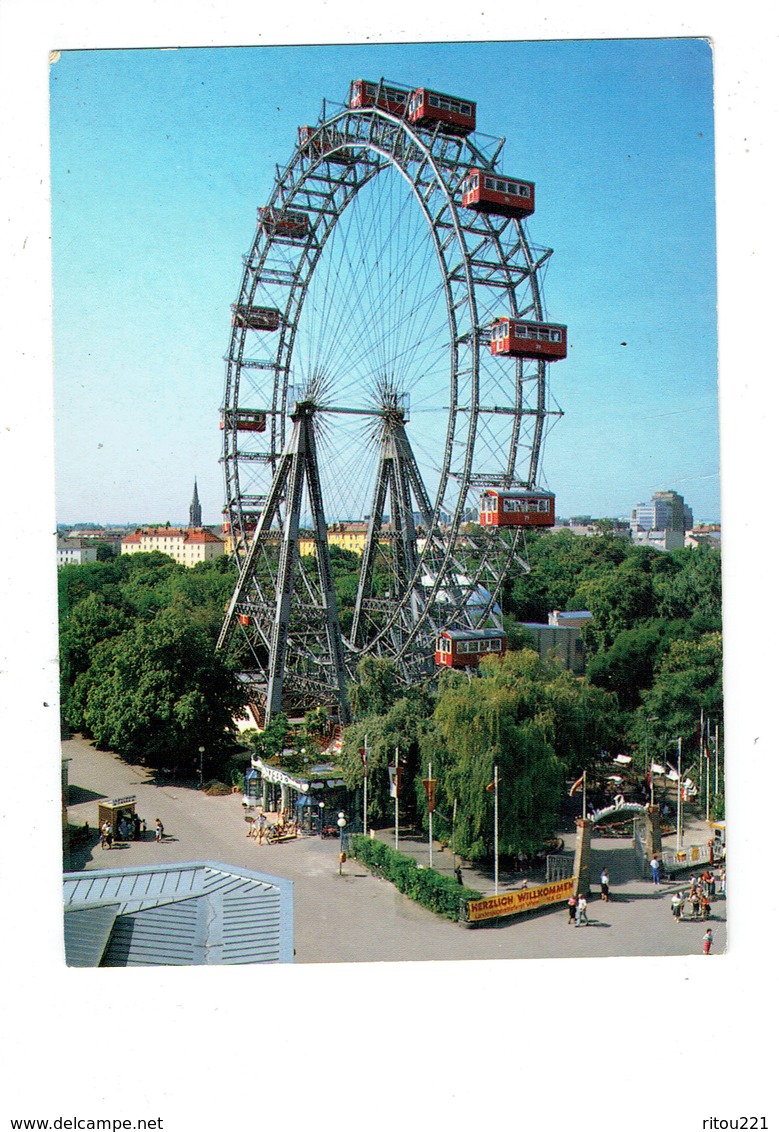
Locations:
(472, 634)
(200, 912)
(87, 931)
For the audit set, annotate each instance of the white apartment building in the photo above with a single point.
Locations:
(75, 551)
(185, 545)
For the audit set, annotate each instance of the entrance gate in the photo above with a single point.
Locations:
(651, 840)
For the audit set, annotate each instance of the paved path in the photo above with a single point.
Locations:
(356, 917)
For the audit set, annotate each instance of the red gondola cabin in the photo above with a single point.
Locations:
(245, 420)
(380, 95)
(454, 115)
(514, 338)
(484, 191)
(529, 508)
(319, 143)
(280, 222)
(463, 648)
(256, 318)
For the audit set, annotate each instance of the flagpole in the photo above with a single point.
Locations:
(495, 791)
(397, 792)
(430, 816)
(454, 819)
(584, 795)
(679, 797)
(716, 759)
(365, 791)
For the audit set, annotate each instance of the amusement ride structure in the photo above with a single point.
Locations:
(388, 367)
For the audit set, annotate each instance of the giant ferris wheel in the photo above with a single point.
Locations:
(387, 371)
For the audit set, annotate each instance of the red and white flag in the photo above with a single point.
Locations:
(576, 786)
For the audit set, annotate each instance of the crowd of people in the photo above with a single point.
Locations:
(699, 895)
(262, 828)
(129, 827)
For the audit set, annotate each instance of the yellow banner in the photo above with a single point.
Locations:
(525, 900)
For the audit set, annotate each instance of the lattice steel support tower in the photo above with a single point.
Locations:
(316, 608)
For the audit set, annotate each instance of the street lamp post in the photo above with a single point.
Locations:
(321, 817)
(202, 751)
(341, 823)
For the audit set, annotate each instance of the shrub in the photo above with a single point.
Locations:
(440, 894)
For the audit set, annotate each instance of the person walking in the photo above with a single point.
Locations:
(654, 865)
(677, 906)
(572, 902)
(604, 885)
(158, 830)
(708, 941)
(581, 911)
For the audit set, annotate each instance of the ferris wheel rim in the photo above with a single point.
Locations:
(302, 164)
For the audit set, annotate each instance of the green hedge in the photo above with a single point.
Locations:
(438, 893)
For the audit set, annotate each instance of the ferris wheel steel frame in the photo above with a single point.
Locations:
(480, 256)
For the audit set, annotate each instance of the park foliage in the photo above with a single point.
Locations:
(654, 651)
(140, 675)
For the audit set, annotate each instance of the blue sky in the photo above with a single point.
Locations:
(160, 158)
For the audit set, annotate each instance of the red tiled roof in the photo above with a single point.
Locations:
(188, 534)
(200, 534)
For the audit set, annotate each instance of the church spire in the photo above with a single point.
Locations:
(195, 514)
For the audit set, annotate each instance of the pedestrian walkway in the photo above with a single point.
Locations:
(356, 917)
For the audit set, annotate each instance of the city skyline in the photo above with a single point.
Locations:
(179, 521)
(156, 175)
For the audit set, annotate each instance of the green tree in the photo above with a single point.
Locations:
(618, 599)
(559, 562)
(74, 583)
(200, 593)
(377, 687)
(693, 589)
(157, 691)
(502, 718)
(627, 667)
(271, 741)
(689, 680)
(398, 729)
(93, 619)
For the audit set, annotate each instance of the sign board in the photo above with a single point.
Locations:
(524, 900)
